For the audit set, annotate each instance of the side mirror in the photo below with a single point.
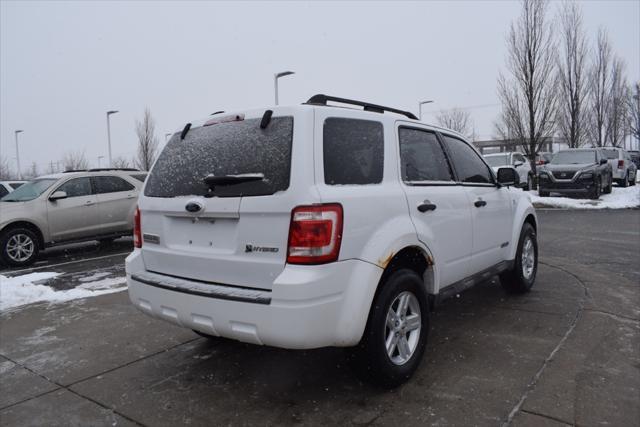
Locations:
(508, 177)
(603, 161)
(58, 195)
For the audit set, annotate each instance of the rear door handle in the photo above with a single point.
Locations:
(426, 206)
(480, 203)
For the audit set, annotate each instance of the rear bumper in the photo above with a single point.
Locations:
(308, 306)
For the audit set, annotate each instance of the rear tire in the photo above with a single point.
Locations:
(395, 338)
(19, 247)
(521, 277)
(625, 181)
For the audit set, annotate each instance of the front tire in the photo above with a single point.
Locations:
(609, 188)
(521, 277)
(395, 338)
(595, 191)
(19, 247)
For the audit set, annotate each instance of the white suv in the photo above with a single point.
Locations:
(312, 226)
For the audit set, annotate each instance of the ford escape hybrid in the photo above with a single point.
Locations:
(314, 225)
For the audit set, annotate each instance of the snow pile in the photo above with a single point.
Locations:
(620, 198)
(21, 290)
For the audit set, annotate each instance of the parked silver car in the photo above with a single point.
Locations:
(624, 169)
(65, 207)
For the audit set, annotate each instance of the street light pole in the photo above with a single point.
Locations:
(110, 112)
(276, 76)
(420, 107)
(18, 153)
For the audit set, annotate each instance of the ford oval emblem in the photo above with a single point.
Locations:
(194, 207)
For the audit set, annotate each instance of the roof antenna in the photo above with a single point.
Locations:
(266, 119)
(185, 131)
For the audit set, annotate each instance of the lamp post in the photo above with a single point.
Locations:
(18, 153)
(276, 76)
(420, 107)
(110, 112)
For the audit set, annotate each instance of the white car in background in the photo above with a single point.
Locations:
(67, 207)
(516, 160)
(624, 170)
(7, 187)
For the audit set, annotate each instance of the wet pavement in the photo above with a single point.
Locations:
(567, 353)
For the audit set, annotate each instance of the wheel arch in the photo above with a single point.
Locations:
(525, 213)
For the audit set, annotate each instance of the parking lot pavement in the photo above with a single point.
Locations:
(565, 354)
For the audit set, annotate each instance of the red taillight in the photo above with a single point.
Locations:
(137, 232)
(540, 162)
(315, 234)
(620, 164)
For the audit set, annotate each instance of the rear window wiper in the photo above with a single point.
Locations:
(213, 180)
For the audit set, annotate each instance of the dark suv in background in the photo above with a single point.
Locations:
(578, 171)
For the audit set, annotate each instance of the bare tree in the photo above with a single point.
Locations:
(634, 112)
(75, 160)
(572, 77)
(617, 117)
(599, 88)
(529, 94)
(147, 141)
(5, 170)
(456, 119)
(121, 162)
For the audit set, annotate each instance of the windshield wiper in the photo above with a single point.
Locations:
(212, 180)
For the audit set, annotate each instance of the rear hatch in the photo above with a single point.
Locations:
(232, 228)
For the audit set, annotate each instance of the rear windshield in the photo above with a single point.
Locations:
(611, 154)
(574, 157)
(232, 148)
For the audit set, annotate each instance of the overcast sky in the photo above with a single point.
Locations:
(64, 64)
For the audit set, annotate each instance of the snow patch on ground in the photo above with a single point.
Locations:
(28, 288)
(620, 198)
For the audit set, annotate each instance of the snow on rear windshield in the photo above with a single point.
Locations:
(233, 148)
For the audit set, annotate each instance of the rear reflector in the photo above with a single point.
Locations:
(137, 232)
(620, 164)
(315, 234)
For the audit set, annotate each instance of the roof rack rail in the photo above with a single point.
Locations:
(113, 169)
(323, 99)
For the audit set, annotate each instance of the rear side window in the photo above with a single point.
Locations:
(422, 157)
(610, 154)
(353, 151)
(111, 184)
(76, 187)
(231, 148)
(467, 163)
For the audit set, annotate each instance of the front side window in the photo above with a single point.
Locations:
(353, 151)
(422, 157)
(467, 163)
(111, 184)
(76, 187)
